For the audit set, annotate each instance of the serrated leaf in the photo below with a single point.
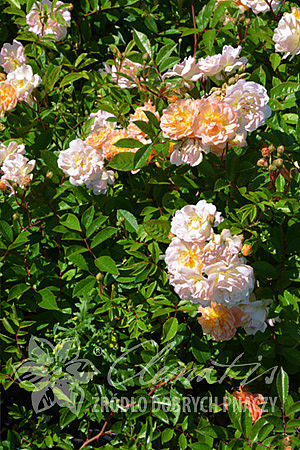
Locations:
(106, 264)
(158, 230)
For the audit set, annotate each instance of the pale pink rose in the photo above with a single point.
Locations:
(99, 183)
(179, 119)
(190, 151)
(127, 67)
(254, 315)
(12, 147)
(193, 223)
(12, 56)
(250, 101)
(287, 34)
(41, 24)
(190, 284)
(100, 121)
(222, 63)
(18, 169)
(24, 81)
(181, 254)
(260, 6)
(219, 321)
(216, 122)
(188, 70)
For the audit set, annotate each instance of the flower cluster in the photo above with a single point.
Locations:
(213, 123)
(207, 268)
(287, 34)
(15, 167)
(20, 80)
(46, 18)
(84, 161)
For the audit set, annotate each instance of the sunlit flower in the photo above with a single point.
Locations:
(99, 184)
(255, 314)
(12, 147)
(8, 97)
(223, 248)
(216, 122)
(41, 23)
(190, 151)
(100, 121)
(193, 223)
(260, 6)
(24, 81)
(139, 114)
(190, 284)
(179, 119)
(219, 321)
(181, 254)
(230, 283)
(251, 401)
(287, 34)
(17, 168)
(98, 138)
(80, 162)
(12, 56)
(128, 68)
(226, 62)
(188, 70)
(250, 100)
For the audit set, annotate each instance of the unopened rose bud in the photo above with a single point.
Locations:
(231, 81)
(171, 235)
(49, 174)
(246, 250)
(278, 163)
(99, 276)
(211, 219)
(262, 162)
(265, 151)
(272, 148)
(15, 216)
(247, 22)
(71, 6)
(280, 150)
(3, 186)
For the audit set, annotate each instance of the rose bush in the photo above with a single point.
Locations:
(149, 224)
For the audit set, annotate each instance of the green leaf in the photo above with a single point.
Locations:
(48, 299)
(87, 217)
(106, 264)
(103, 235)
(169, 329)
(282, 384)
(284, 89)
(219, 13)
(182, 442)
(71, 221)
(234, 409)
(141, 156)
(71, 77)
(17, 290)
(128, 143)
(20, 240)
(158, 229)
(205, 14)
(122, 161)
(280, 183)
(167, 435)
(275, 60)
(6, 231)
(131, 223)
(165, 52)
(142, 42)
(209, 38)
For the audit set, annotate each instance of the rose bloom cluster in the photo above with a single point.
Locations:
(206, 268)
(20, 80)
(84, 161)
(15, 167)
(47, 17)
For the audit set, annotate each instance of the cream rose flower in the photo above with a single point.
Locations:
(230, 283)
(179, 119)
(80, 162)
(190, 151)
(216, 123)
(250, 100)
(193, 223)
(254, 315)
(12, 147)
(188, 70)
(190, 285)
(181, 254)
(12, 56)
(42, 24)
(8, 97)
(260, 6)
(18, 169)
(287, 34)
(100, 121)
(99, 184)
(24, 81)
(219, 321)
(222, 63)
